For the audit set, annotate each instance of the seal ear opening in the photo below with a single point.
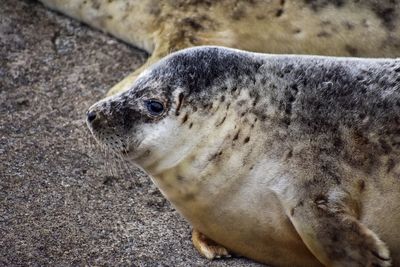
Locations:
(179, 104)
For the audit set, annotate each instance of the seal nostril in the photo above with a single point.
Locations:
(91, 116)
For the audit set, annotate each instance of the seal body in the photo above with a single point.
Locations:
(337, 28)
(288, 160)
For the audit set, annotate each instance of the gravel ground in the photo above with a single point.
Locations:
(60, 202)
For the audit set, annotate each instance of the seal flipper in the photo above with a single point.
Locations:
(332, 231)
(207, 247)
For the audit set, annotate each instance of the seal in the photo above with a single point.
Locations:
(288, 160)
(323, 27)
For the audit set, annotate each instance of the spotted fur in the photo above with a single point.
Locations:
(285, 155)
(367, 28)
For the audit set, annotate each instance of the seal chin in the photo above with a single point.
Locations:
(132, 151)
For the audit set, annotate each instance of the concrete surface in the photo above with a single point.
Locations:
(61, 204)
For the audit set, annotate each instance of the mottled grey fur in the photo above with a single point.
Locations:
(333, 123)
(313, 94)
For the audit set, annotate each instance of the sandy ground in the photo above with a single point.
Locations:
(60, 203)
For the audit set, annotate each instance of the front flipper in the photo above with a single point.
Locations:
(208, 247)
(329, 227)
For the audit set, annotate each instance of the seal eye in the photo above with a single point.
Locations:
(154, 107)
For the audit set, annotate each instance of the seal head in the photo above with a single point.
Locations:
(145, 122)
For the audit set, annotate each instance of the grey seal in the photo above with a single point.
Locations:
(318, 27)
(289, 160)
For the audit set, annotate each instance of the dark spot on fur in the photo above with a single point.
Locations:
(96, 4)
(297, 31)
(348, 25)
(208, 106)
(351, 50)
(238, 13)
(191, 125)
(221, 122)
(180, 101)
(362, 116)
(364, 22)
(361, 185)
(390, 165)
(185, 118)
(317, 5)
(109, 180)
(241, 102)
(192, 23)
(189, 197)
(188, 3)
(386, 13)
(288, 154)
(246, 140)
(294, 88)
(360, 139)
(291, 98)
(287, 105)
(222, 98)
(323, 34)
(154, 8)
(292, 212)
(180, 178)
(236, 136)
(286, 121)
(279, 12)
(337, 142)
(256, 99)
(228, 105)
(215, 156)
